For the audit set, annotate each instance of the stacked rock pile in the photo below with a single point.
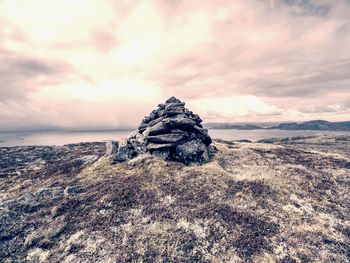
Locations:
(171, 132)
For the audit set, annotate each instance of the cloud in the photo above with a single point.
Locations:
(22, 75)
(226, 108)
(308, 7)
(95, 63)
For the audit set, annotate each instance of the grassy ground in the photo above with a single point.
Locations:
(283, 201)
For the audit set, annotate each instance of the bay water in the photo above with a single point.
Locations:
(60, 137)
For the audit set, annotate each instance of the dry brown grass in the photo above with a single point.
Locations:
(253, 203)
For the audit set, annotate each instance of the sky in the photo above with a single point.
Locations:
(105, 64)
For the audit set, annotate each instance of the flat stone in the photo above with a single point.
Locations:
(156, 146)
(143, 127)
(161, 106)
(206, 139)
(177, 131)
(138, 147)
(167, 138)
(180, 122)
(175, 112)
(159, 128)
(155, 121)
(196, 118)
(132, 135)
(173, 106)
(153, 115)
(146, 120)
(200, 130)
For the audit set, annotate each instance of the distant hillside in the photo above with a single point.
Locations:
(321, 125)
(228, 126)
(315, 125)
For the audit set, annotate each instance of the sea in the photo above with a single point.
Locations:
(61, 137)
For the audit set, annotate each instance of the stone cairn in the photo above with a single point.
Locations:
(170, 132)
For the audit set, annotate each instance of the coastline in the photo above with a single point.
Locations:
(60, 138)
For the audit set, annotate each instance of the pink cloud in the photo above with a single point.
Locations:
(104, 40)
(289, 56)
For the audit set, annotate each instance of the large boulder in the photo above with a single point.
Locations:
(192, 151)
(170, 132)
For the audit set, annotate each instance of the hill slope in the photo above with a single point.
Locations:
(319, 125)
(315, 125)
(283, 201)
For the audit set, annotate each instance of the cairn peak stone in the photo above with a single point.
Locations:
(173, 100)
(170, 132)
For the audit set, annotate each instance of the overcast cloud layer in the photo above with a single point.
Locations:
(92, 63)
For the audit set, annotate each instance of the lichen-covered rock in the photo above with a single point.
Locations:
(192, 151)
(111, 147)
(170, 132)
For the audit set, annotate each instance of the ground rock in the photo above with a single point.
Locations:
(123, 154)
(162, 153)
(156, 146)
(111, 147)
(192, 151)
(72, 190)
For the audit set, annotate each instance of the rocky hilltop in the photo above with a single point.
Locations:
(280, 200)
(170, 132)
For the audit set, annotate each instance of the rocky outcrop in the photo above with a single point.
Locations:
(170, 132)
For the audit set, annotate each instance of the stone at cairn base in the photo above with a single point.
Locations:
(170, 132)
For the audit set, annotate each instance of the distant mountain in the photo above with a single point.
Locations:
(227, 126)
(320, 125)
